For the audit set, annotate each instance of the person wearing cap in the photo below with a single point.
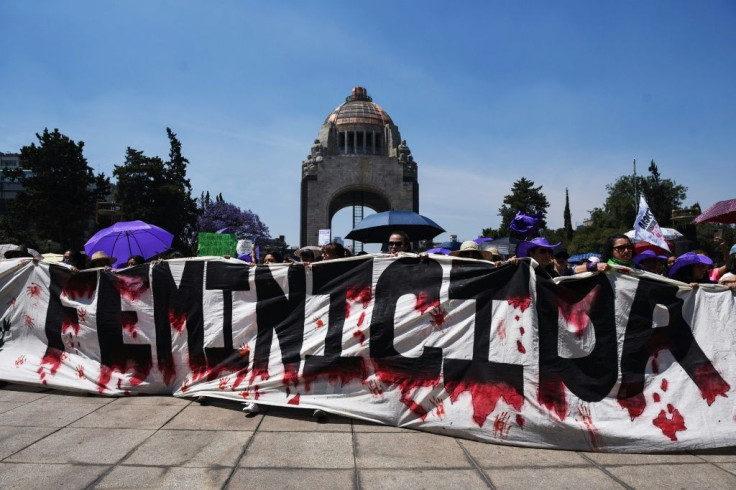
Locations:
(100, 259)
(541, 251)
(649, 261)
(559, 261)
(691, 268)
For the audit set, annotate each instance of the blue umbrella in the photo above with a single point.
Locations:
(376, 228)
(451, 246)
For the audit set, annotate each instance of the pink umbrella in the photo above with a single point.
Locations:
(720, 212)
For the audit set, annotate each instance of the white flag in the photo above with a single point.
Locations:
(646, 227)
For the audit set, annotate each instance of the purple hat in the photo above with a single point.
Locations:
(523, 248)
(647, 254)
(686, 259)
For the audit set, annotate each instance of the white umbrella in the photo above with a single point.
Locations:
(667, 233)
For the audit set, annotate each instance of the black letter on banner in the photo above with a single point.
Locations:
(642, 342)
(179, 307)
(592, 377)
(286, 316)
(114, 353)
(343, 281)
(486, 381)
(226, 277)
(59, 317)
(406, 275)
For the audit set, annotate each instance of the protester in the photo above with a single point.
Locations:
(560, 264)
(306, 256)
(716, 272)
(135, 260)
(100, 259)
(541, 251)
(691, 268)
(333, 251)
(729, 278)
(619, 251)
(471, 250)
(272, 258)
(398, 241)
(649, 261)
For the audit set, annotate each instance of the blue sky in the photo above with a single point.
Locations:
(564, 93)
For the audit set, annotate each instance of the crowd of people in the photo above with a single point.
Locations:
(551, 260)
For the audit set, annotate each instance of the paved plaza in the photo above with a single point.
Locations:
(52, 439)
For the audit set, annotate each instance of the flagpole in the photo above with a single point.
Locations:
(636, 189)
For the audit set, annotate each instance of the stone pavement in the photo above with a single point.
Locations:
(50, 439)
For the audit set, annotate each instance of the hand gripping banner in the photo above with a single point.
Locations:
(610, 362)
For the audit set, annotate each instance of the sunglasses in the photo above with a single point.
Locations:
(542, 250)
(395, 244)
(624, 247)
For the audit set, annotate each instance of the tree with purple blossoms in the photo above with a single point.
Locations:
(219, 214)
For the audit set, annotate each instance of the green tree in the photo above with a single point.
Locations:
(159, 192)
(567, 218)
(60, 192)
(526, 198)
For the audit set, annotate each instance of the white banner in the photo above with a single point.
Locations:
(454, 346)
(646, 227)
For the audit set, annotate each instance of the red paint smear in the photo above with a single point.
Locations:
(257, 391)
(80, 371)
(501, 329)
(295, 400)
(131, 288)
(656, 397)
(576, 314)
(319, 323)
(259, 373)
(69, 324)
(361, 318)
(485, 397)
(670, 408)
(362, 295)
(177, 322)
(239, 377)
(634, 404)
(551, 394)
(711, 383)
(439, 316)
(53, 358)
(28, 320)
(291, 376)
(34, 290)
(131, 328)
(406, 382)
(521, 302)
(334, 375)
(521, 330)
(671, 426)
(595, 436)
(105, 376)
(501, 427)
(520, 420)
(664, 385)
(423, 303)
(358, 334)
(520, 347)
(79, 286)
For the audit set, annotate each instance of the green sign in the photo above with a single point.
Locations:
(217, 244)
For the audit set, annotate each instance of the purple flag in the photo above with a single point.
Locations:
(525, 224)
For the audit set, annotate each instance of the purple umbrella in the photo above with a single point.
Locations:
(128, 238)
(720, 212)
(439, 250)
